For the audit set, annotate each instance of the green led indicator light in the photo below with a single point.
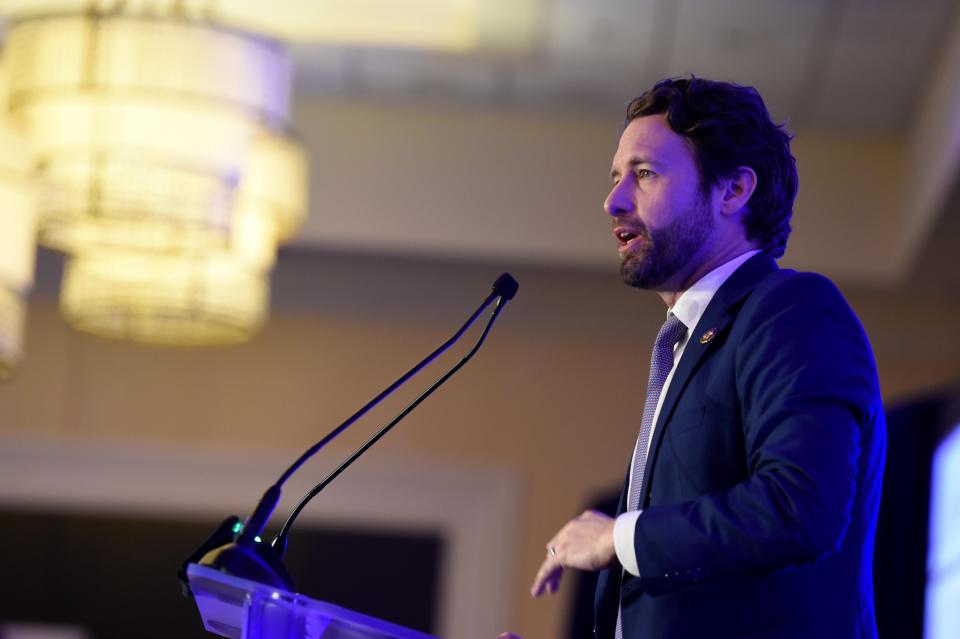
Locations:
(237, 527)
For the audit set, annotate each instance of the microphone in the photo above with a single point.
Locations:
(505, 286)
(236, 547)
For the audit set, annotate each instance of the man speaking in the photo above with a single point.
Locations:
(750, 501)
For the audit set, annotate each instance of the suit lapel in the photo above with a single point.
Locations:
(713, 324)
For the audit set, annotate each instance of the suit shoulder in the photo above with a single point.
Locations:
(798, 303)
(798, 287)
(809, 298)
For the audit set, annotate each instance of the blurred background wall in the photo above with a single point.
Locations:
(431, 173)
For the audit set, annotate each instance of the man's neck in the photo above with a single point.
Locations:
(672, 289)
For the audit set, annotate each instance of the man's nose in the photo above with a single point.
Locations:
(620, 201)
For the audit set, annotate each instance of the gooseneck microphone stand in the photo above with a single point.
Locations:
(236, 548)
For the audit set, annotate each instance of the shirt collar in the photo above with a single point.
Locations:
(693, 302)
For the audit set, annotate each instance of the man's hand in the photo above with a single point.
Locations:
(585, 543)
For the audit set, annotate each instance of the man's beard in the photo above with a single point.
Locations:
(668, 250)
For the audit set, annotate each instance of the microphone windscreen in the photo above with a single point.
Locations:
(505, 286)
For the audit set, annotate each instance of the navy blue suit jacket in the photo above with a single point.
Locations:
(763, 479)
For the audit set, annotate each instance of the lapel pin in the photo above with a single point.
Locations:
(709, 335)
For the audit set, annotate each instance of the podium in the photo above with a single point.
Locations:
(243, 609)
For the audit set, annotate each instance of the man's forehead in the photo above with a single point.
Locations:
(649, 138)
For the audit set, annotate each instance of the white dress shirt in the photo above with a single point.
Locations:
(689, 309)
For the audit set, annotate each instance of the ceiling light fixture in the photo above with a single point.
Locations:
(164, 164)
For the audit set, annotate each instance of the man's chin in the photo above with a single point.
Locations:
(641, 273)
(635, 273)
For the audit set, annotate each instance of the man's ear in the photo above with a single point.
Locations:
(737, 190)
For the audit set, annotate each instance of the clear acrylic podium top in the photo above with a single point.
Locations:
(244, 609)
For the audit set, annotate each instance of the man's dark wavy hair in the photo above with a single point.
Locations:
(728, 126)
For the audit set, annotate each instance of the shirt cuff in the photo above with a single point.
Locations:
(623, 532)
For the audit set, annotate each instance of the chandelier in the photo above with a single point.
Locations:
(164, 167)
(16, 244)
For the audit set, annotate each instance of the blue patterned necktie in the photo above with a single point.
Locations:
(661, 363)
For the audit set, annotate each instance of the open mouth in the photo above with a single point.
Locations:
(630, 241)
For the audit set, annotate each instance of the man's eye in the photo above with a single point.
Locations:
(644, 173)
